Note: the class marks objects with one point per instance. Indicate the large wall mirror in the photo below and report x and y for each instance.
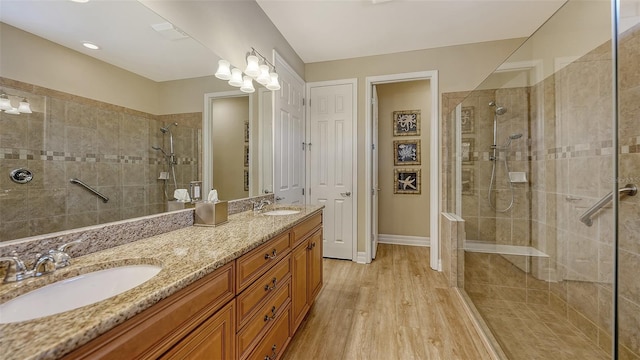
(127, 119)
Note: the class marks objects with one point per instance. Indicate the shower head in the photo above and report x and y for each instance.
(500, 110)
(166, 128)
(511, 137)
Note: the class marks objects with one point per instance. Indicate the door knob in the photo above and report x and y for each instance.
(346, 194)
(278, 198)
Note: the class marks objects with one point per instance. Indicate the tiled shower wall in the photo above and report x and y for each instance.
(104, 145)
(571, 167)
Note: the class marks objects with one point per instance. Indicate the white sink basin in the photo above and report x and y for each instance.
(75, 292)
(281, 212)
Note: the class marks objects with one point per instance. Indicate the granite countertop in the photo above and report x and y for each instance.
(185, 255)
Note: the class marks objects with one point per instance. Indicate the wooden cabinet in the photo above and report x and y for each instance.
(212, 340)
(306, 269)
(154, 331)
(247, 309)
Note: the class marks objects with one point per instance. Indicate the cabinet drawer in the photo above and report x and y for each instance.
(253, 264)
(301, 231)
(250, 300)
(273, 344)
(268, 313)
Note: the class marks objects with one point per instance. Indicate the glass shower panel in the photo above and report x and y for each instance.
(628, 255)
(540, 133)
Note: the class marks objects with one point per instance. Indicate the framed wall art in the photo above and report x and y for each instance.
(406, 181)
(467, 149)
(246, 131)
(246, 180)
(467, 120)
(406, 152)
(246, 155)
(406, 123)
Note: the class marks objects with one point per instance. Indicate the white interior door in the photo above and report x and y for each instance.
(374, 174)
(331, 166)
(289, 136)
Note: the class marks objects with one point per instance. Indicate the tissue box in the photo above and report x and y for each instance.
(211, 214)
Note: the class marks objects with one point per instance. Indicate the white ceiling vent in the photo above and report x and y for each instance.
(168, 31)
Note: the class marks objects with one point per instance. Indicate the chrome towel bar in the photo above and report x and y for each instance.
(629, 190)
(96, 192)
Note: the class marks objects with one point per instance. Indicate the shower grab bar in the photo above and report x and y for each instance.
(94, 191)
(629, 190)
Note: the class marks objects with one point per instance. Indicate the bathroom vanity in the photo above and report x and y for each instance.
(237, 291)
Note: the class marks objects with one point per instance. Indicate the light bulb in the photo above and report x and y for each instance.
(24, 107)
(224, 70)
(264, 78)
(12, 111)
(236, 78)
(274, 84)
(247, 85)
(5, 103)
(253, 68)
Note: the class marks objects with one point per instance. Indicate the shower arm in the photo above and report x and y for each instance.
(629, 189)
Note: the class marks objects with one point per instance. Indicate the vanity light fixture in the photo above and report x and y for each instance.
(264, 78)
(224, 70)
(253, 66)
(247, 85)
(258, 68)
(236, 78)
(5, 105)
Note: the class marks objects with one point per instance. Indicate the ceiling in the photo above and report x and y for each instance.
(318, 30)
(322, 30)
(123, 29)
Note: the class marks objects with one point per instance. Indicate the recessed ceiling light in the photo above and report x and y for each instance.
(90, 45)
(80, 1)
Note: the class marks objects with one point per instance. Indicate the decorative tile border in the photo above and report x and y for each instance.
(46, 155)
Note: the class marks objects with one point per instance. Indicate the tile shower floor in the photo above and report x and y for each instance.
(527, 332)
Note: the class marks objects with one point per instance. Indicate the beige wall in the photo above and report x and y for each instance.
(403, 214)
(229, 116)
(460, 67)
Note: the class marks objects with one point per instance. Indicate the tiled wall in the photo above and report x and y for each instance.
(570, 168)
(105, 146)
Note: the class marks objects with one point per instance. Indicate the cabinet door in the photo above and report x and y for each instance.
(299, 292)
(315, 265)
(214, 339)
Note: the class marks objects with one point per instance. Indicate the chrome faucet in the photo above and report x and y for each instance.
(61, 256)
(44, 264)
(258, 206)
(16, 270)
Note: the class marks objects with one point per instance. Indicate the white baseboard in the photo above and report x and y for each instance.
(361, 258)
(404, 240)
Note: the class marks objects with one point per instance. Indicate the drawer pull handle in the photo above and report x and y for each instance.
(273, 315)
(274, 281)
(273, 255)
(311, 246)
(273, 353)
